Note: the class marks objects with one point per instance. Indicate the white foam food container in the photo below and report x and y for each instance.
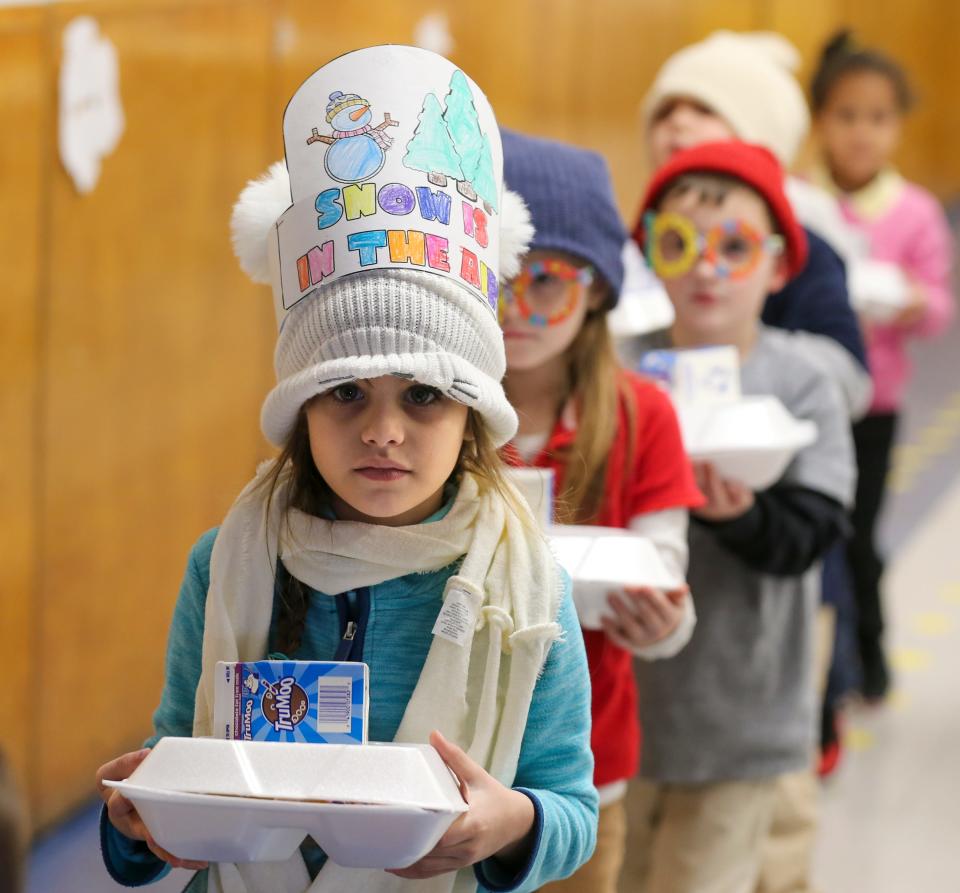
(367, 806)
(601, 560)
(878, 289)
(751, 440)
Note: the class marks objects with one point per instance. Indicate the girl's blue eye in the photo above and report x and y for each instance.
(346, 393)
(421, 395)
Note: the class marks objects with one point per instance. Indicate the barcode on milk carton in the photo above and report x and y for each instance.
(334, 704)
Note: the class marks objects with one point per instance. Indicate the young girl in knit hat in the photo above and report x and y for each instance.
(610, 437)
(734, 713)
(859, 98)
(387, 501)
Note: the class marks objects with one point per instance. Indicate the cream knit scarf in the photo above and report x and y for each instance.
(478, 693)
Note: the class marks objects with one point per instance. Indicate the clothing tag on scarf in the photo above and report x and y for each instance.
(457, 618)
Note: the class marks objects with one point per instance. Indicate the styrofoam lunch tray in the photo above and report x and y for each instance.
(751, 440)
(250, 801)
(878, 289)
(604, 559)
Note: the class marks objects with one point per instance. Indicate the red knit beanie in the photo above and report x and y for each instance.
(756, 166)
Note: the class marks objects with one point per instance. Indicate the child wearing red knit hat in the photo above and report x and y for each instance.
(736, 709)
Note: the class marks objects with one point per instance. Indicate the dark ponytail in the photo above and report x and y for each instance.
(843, 55)
(294, 600)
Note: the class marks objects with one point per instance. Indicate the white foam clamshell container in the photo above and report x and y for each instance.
(878, 289)
(601, 560)
(215, 800)
(751, 440)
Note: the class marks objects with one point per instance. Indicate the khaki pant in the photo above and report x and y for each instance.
(696, 838)
(734, 837)
(600, 874)
(788, 851)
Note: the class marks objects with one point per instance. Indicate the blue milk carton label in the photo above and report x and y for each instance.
(318, 702)
(660, 365)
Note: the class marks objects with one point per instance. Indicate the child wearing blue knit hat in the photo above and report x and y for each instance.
(610, 437)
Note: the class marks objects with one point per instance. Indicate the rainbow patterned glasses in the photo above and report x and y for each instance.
(734, 248)
(546, 291)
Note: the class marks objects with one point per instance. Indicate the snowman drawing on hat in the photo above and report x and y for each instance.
(356, 150)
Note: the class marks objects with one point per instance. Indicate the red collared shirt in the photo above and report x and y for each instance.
(654, 476)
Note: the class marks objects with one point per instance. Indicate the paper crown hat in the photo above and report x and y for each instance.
(385, 234)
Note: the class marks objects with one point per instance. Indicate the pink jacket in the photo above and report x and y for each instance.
(911, 231)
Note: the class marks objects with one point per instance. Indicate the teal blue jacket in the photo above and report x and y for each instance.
(394, 622)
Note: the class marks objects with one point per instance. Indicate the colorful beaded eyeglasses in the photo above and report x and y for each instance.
(674, 244)
(546, 291)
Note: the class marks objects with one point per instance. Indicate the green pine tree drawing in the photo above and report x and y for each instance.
(431, 149)
(483, 179)
(464, 127)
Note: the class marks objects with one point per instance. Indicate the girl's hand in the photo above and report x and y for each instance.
(643, 615)
(121, 812)
(497, 823)
(915, 308)
(726, 499)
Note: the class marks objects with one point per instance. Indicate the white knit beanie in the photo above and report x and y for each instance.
(747, 79)
(413, 325)
(346, 315)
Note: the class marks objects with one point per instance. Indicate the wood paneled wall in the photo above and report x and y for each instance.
(23, 97)
(134, 353)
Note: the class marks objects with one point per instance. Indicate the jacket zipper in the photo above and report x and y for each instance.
(353, 617)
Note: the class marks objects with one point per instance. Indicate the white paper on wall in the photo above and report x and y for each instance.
(432, 33)
(91, 119)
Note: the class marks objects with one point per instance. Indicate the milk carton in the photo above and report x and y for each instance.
(701, 375)
(319, 702)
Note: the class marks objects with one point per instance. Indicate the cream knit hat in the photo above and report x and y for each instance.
(395, 273)
(413, 325)
(747, 79)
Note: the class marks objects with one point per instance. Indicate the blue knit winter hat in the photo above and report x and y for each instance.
(570, 196)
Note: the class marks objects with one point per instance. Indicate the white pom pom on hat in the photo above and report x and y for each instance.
(516, 234)
(256, 210)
